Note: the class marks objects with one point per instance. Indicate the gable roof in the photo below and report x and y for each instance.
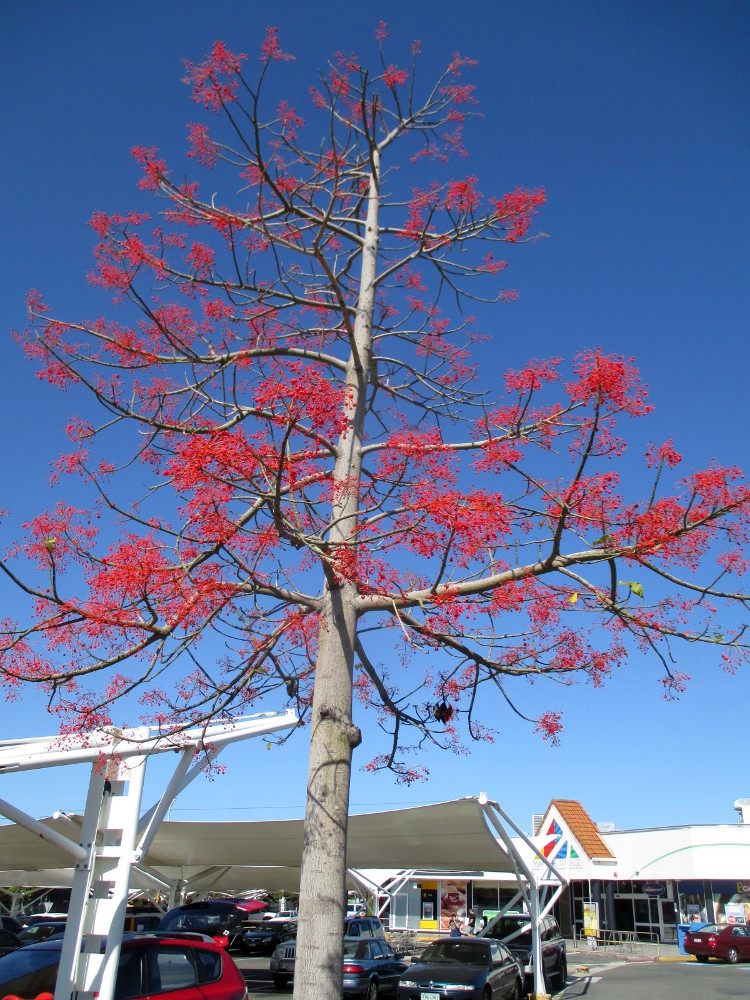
(581, 826)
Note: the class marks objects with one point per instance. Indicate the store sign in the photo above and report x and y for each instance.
(735, 913)
(654, 889)
(590, 919)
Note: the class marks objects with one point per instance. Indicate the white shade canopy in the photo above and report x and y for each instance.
(446, 836)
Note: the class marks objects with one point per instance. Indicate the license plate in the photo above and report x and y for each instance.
(429, 996)
(286, 966)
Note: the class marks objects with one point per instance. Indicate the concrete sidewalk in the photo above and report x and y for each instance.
(581, 954)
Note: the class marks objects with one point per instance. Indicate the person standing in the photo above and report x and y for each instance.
(469, 922)
(454, 929)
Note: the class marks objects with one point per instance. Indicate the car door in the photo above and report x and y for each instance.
(549, 948)
(503, 975)
(741, 941)
(388, 968)
(171, 973)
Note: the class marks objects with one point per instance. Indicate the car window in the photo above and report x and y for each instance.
(170, 969)
(29, 971)
(209, 964)
(364, 951)
(455, 950)
(385, 948)
(129, 981)
(353, 930)
(507, 925)
(350, 948)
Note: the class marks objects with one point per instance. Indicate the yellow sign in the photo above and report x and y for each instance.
(590, 919)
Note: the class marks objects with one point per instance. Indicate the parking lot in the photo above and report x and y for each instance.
(594, 978)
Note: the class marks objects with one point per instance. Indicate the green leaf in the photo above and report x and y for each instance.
(635, 588)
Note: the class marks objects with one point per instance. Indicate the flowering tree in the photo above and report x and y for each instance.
(325, 461)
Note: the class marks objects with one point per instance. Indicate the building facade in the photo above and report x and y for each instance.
(633, 882)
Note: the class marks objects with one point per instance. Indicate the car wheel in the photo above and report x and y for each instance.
(702, 958)
(518, 991)
(487, 995)
(280, 981)
(372, 990)
(561, 976)
(733, 956)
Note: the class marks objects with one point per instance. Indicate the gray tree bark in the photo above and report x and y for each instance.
(333, 736)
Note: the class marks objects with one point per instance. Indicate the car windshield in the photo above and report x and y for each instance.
(507, 925)
(709, 929)
(192, 920)
(26, 968)
(456, 952)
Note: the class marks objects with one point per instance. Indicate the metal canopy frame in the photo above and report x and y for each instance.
(538, 892)
(110, 839)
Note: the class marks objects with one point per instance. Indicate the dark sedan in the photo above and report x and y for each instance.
(261, 938)
(370, 967)
(479, 968)
(730, 942)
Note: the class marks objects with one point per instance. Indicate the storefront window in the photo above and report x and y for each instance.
(692, 902)
(731, 902)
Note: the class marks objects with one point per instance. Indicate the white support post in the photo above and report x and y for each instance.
(493, 813)
(176, 893)
(100, 884)
(106, 852)
(44, 832)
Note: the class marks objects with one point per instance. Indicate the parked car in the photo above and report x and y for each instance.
(280, 915)
(470, 967)
(221, 919)
(9, 942)
(728, 941)
(261, 938)
(514, 930)
(38, 918)
(41, 931)
(148, 966)
(370, 968)
(285, 954)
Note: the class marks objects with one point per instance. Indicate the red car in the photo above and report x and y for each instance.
(187, 968)
(728, 941)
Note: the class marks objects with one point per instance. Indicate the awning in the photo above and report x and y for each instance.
(445, 836)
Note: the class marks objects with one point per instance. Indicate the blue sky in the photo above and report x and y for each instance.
(633, 116)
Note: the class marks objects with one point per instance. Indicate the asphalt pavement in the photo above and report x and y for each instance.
(642, 973)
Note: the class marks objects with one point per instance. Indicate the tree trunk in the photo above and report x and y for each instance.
(319, 963)
(333, 736)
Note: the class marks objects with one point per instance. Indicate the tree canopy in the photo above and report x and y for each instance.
(302, 446)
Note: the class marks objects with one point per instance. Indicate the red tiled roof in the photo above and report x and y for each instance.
(581, 826)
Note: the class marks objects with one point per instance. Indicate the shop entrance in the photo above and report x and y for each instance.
(651, 917)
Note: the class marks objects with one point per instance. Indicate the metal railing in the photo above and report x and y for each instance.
(625, 942)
